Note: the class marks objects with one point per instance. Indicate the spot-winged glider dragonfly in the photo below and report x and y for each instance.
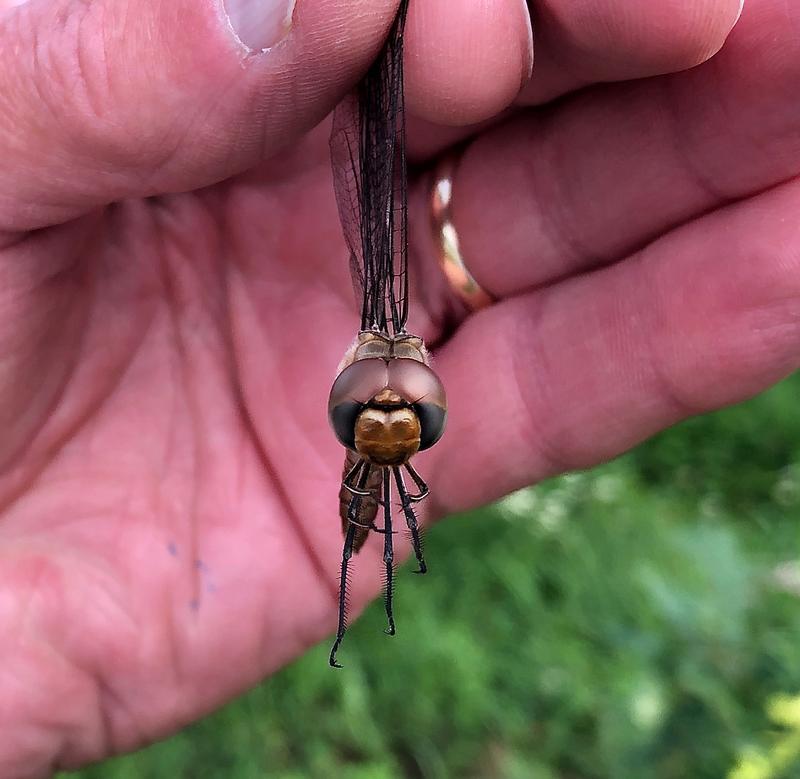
(386, 403)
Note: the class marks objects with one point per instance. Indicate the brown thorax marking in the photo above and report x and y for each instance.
(371, 343)
(387, 436)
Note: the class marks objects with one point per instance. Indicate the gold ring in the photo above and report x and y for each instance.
(445, 238)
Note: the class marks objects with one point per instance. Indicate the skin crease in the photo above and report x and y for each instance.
(168, 481)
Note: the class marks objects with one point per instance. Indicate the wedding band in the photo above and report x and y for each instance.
(445, 238)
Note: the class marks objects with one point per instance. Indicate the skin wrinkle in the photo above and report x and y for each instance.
(172, 619)
(30, 611)
(673, 395)
(112, 708)
(53, 451)
(34, 735)
(556, 220)
(11, 240)
(561, 235)
(248, 426)
(524, 351)
(170, 285)
(220, 317)
(729, 112)
(107, 701)
(84, 63)
(174, 643)
(216, 212)
(105, 695)
(681, 148)
(167, 155)
(57, 73)
(92, 407)
(293, 517)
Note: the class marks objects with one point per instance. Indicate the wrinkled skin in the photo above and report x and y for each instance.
(168, 481)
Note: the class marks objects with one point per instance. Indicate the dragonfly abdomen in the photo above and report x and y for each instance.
(365, 510)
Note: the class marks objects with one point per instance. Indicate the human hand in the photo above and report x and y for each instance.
(169, 529)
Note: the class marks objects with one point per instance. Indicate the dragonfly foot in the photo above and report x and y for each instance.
(332, 659)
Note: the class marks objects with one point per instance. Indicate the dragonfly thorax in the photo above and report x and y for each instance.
(375, 344)
(387, 430)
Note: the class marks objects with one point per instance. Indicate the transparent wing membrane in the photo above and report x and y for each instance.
(368, 155)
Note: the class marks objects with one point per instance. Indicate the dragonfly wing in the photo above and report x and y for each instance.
(369, 170)
(345, 151)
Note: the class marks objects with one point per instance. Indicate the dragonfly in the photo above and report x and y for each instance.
(386, 403)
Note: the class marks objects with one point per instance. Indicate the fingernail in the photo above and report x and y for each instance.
(259, 24)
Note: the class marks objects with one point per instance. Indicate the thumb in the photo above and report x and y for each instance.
(111, 99)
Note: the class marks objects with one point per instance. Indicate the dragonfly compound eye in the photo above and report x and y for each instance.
(420, 387)
(354, 387)
(432, 419)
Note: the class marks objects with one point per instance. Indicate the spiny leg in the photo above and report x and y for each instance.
(342, 627)
(351, 477)
(421, 486)
(347, 553)
(411, 518)
(388, 552)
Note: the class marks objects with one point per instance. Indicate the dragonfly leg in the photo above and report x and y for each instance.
(388, 552)
(348, 484)
(421, 486)
(371, 526)
(347, 553)
(352, 475)
(411, 518)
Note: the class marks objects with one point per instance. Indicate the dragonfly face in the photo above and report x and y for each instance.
(387, 404)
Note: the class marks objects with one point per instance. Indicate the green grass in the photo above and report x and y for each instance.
(624, 623)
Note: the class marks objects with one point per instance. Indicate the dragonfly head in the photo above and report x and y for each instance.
(387, 410)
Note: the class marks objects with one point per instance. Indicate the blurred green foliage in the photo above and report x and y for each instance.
(632, 622)
(783, 752)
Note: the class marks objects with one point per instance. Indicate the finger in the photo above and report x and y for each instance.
(109, 100)
(611, 40)
(569, 376)
(466, 61)
(593, 180)
(483, 60)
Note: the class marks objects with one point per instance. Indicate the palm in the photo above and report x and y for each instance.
(163, 508)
